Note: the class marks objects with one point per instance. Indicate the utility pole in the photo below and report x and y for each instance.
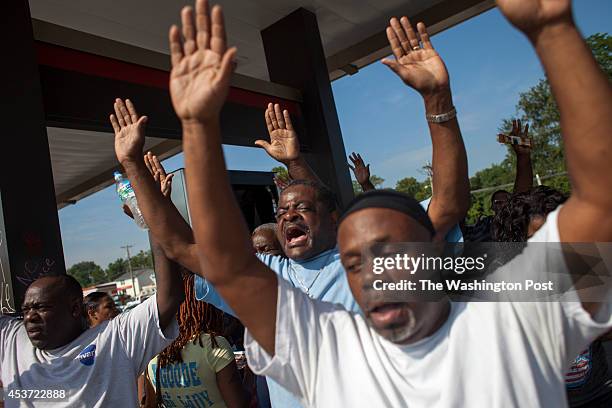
(127, 248)
(428, 171)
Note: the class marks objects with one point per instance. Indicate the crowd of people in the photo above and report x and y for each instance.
(315, 333)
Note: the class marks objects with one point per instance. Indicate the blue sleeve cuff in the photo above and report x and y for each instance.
(205, 292)
(454, 235)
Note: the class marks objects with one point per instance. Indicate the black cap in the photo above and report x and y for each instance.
(392, 200)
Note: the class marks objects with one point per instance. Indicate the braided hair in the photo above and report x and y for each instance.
(194, 318)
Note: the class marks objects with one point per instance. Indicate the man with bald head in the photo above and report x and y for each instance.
(265, 240)
(53, 351)
(53, 311)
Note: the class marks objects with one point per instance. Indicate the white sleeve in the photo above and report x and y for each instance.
(300, 323)
(8, 330)
(141, 335)
(563, 326)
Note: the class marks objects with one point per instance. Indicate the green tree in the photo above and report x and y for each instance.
(412, 187)
(141, 260)
(86, 272)
(374, 179)
(281, 172)
(538, 108)
(116, 268)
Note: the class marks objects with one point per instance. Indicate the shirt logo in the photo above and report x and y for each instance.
(580, 370)
(88, 355)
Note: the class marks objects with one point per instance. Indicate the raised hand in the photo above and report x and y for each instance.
(129, 131)
(530, 16)
(517, 130)
(159, 173)
(201, 64)
(420, 67)
(284, 145)
(361, 171)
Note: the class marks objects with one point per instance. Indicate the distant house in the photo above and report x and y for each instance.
(144, 280)
(110, 288)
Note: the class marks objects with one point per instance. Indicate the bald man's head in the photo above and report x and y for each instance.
(53, 311)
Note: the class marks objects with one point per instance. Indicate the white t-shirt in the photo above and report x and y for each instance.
(97, 369)
(485, 355)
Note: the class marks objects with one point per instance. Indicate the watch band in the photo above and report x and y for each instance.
(443, 117)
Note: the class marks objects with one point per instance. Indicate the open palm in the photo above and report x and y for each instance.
(361, 171)
(201, 64)
(196, 85)
(420, 67)
(423, 70)
(129, 131)
(530, 15)
(284, 145)
(523, 133)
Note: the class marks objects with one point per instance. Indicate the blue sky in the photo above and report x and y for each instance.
(490, 63)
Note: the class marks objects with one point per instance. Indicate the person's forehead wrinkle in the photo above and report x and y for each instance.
(42, 290)
(297, 193)
(296, 201)
(362, 224)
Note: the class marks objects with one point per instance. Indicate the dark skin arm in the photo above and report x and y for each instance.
(231, 388)
(284, 145)
(361, 172)
(524, 170)
(151, 398)
(165, 222)
(421, 68)
(584, 96)
(170, 291)
(199, 83)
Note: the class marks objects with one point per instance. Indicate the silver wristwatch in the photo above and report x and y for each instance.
(443, 117)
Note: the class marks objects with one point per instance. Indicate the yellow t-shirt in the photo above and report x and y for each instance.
(193, 383)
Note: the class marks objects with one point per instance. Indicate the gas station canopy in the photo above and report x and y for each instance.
(70, 59)
(135, 32)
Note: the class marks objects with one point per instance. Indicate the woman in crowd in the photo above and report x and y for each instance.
(198, 368)
(99, 307)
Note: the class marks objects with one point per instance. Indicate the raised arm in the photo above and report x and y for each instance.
(420, 67)
(163, 219)
(170, 292)
(199, 83)
(284, 145)
(524, 170)
(584, 96)
(361, 172)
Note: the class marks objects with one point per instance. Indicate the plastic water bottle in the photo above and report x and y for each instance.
(127, 196)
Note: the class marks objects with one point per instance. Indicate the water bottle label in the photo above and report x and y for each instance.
(125, 191)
